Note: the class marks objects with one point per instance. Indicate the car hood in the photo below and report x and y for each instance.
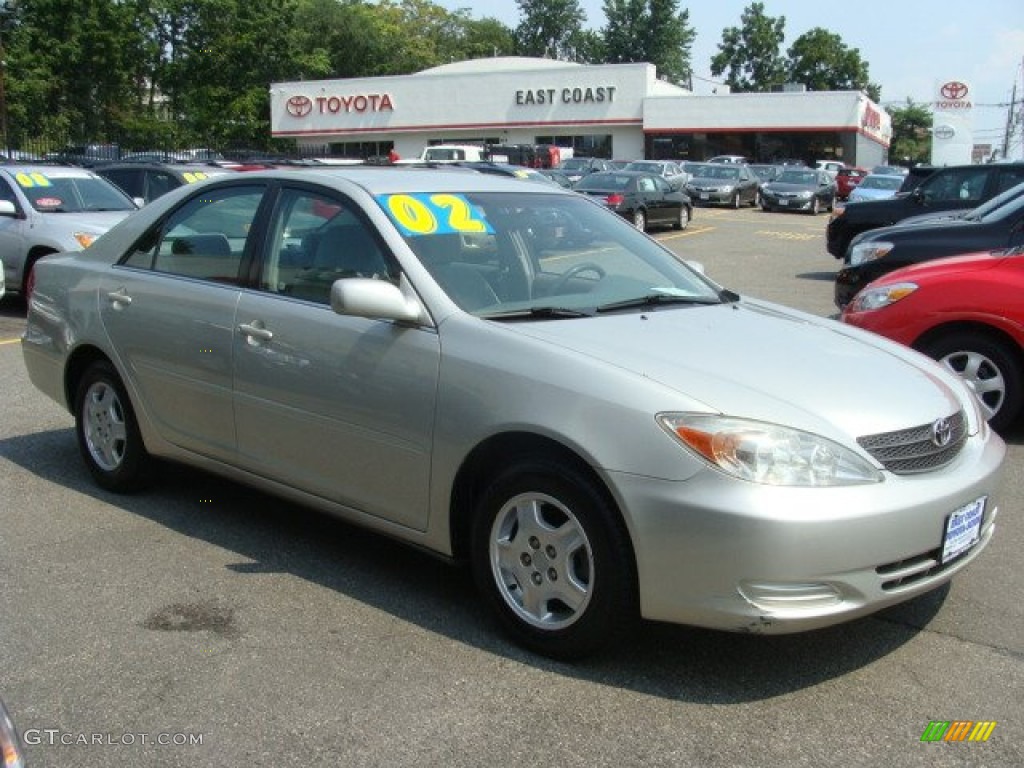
(761, 361)
(95, 222)
(968, 262)
(952, 226)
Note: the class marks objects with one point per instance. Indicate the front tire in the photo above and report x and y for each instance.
(108, 432)
(552, 560)
(990, 370)
(815, 207)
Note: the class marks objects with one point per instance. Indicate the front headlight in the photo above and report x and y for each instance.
(768, 453)
(883, 296)
(10, 745)
(804, 194)
(726, 190)
(870, 251)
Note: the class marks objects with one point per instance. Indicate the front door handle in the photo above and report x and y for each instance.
(256, 331)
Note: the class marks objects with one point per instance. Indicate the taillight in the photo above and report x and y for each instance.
(614, 199)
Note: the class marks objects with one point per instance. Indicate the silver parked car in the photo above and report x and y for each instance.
(45, 209)
(512, 375)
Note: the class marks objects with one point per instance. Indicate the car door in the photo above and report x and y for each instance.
(663, 200)
(169, 309)
(340, 407)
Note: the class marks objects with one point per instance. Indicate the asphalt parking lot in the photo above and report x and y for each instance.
(203, 624)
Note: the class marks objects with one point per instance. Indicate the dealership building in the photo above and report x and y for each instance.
(608, 110)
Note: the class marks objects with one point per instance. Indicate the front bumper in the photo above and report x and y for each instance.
(702, 196)
(786, 202)
(726, 554)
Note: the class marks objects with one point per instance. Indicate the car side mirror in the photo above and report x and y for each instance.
(7, 208)
(377, 299)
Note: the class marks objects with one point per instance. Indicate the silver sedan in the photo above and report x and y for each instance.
(511, 375)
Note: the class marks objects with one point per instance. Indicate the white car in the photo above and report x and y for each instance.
(45, 209)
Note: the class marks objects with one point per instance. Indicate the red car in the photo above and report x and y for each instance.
(847, 179)
(967, 312)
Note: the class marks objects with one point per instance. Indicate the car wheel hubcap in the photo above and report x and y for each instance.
(982, 376)
(106, 434)
(541, 561)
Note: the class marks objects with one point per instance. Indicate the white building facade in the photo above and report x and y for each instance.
(610, 110)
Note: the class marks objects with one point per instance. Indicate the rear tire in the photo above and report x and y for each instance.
(108, 432)
(552, 560)
(640, 220)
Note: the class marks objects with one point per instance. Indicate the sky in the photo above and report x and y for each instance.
(910, 46)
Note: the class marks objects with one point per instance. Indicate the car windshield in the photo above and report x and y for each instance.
(603, 182)
(881, 182)
(50, 193)
(515, 256)
(575, 164)
(645, 167)
(998, 201)
(804, 178)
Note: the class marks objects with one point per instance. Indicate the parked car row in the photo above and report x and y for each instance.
(950, 281)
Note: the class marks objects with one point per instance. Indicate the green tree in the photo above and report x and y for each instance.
(749, 55)
(820, 60)
(548, 27)
(911, 133)
(70, 68)
(654, 31)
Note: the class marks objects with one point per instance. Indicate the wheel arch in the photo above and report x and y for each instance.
(35, 253)
(991, 332)
(78, 363)
(499, 451)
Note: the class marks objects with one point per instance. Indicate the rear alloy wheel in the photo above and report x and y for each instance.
(640, 220)
(990, 370)
(552, 560)
(683, 219)
(108, 433)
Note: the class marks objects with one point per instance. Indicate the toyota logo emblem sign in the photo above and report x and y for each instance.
(953, 95)
(299, 106)
(954, 91)
(944, 132)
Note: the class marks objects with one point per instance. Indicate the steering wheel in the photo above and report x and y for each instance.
(569, 274)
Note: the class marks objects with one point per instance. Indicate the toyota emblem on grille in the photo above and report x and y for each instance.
(942, 432)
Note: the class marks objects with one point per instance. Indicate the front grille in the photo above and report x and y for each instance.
(916, 450)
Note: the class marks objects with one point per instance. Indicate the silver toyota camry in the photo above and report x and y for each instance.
(510, 375)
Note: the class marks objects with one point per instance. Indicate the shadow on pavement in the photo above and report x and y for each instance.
(273, 536)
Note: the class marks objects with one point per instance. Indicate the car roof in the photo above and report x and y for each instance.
(385, 179)
(48, 170)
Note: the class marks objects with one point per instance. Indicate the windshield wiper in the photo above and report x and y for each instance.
(658, 299)
(539, 313)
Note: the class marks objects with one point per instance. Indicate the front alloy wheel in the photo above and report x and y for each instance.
(551, 558)
(989, 369)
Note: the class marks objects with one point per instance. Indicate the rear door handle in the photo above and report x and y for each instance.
(119, 298)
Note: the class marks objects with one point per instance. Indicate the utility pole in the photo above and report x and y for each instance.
(1008, 133)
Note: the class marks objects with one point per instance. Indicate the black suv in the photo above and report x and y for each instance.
(144, 182)
(953, 187)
